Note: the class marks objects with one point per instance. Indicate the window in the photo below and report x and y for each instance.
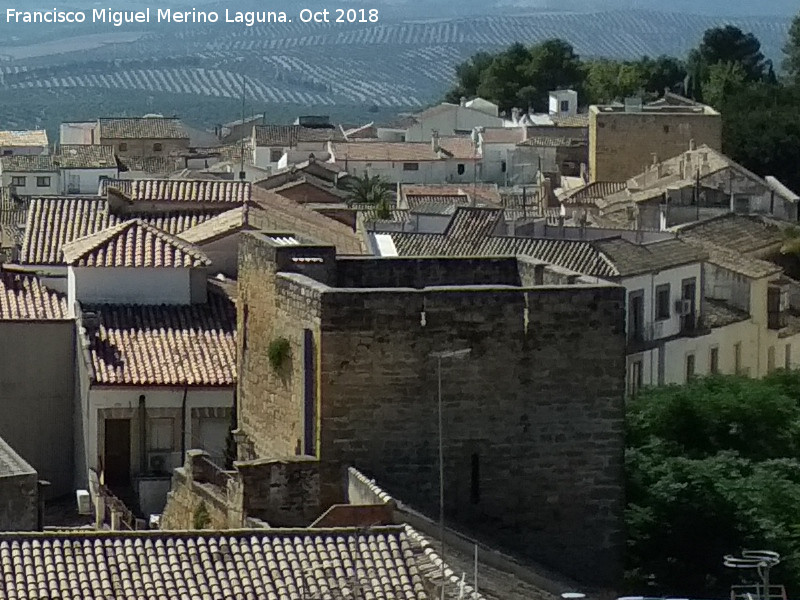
(662, 301)
(635, 377)
(770, 359)
(123, 147)
(410, 166)
(18, 181)
(8, 152)
(787, 358)
(713, 361)
(157, 147)
(636, 315)
(737, 358)
(161, 434)
(503, 166)
(666, 128)
(42, 182)
(475, 480)
(565, 106)
(689, 366)
(275, 154)
(460, 168)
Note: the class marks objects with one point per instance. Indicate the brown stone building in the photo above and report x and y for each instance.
(624, 138)
(145, 137)
(337, 363)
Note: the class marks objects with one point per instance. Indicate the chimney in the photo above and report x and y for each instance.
(548, 197)
(692, 147)
(704, 168)
(463, 101)
(515, 113)
(435, 140)
(655, 158)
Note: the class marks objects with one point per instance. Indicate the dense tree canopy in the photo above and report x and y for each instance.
(712, 469)
(761, 123)
(519, 76)
(791, 63)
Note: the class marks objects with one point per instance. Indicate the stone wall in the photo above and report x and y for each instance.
(621, 144)
(19, 492)
(533, 445)
(284, 493)
(193, 485)
(421, 272)
(37, 388)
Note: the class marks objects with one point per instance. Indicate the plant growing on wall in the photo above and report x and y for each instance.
(201, 517)
(278, 351)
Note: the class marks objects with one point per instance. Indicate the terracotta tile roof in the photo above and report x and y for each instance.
(739, 243)
(24, 298)
(631, 259)
(503, 135)
(484, 192)
(85, 157)
(28, 163)
(53, 222)
(546, 141)
(35, 137)
(470, 222)
(164, 345)
(580, 120)
(391, 563)
(219, 226)
(133, 244)
(457, 148)
(579, 256)
(283, 214)
(149, 128)
(184, 190)
(290, 135)
(414, 201)
(152, 165)
(718, 313)
(590, 192)
(737, 232)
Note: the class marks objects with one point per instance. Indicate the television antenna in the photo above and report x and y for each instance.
(759, 560)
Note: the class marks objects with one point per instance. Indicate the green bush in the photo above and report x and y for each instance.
(278, 352)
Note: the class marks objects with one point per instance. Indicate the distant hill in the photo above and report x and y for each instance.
(356, 72)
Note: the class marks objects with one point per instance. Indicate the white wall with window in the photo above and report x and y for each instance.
(661, 304)
(171, 427)
(35, 183)
(424, 171)
(85, 182)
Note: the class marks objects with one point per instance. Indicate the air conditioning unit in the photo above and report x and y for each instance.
(684, 306)
(84, 502)
(158, 462)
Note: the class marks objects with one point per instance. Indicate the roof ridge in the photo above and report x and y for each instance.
(104, 236)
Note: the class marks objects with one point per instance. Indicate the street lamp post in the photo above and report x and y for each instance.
(455, 354)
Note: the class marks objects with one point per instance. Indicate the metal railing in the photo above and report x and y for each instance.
(758, 592)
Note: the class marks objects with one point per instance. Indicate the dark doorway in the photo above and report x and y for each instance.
(117, 465)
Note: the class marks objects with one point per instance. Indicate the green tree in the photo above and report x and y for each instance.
(712, 468)
(724, 79)
(791, 62)
(728, 44)
(518, 76)
(367, 189)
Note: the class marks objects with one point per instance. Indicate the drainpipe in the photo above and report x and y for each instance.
(142, 435)
(183, 421)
